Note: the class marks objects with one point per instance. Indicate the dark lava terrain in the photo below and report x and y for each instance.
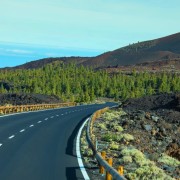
(26, 99)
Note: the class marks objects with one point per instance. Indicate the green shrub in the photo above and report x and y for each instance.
(151, 172)
(114, 146)
(88, 152)
(111, 137)
(112, 114)
(128, 137)
(146, 170)
(127, 159)
(102, 126)
(169, 160)
(118, 128)
(107, 137)
(117, 137)
(115, 127)
(137, 155)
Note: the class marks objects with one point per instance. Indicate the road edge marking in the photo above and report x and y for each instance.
(78, 152)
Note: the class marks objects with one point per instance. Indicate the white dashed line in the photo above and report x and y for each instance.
(62, 114)
(46, 119)
(39, 121)
(0, 144)
(22, 130)
(10, 137)
(52, 117)
(31, 125)
(57, 115)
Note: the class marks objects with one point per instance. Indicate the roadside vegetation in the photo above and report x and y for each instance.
(83, 84)
(118, 136)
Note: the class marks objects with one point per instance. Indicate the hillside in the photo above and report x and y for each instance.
(162, 49)
(42, 62)
(159, 49)
(172, 65)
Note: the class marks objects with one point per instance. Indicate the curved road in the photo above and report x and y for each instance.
(41, 145)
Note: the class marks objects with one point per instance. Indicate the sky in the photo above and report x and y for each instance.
(31, 29)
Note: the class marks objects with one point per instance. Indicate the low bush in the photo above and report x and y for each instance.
(169, 160)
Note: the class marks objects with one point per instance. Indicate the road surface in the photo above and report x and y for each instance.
(41, 145)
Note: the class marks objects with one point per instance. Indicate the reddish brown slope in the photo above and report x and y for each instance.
(158, 49)
(40, 63)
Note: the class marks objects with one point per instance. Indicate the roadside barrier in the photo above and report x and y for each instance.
(25, 108)
(105, 165)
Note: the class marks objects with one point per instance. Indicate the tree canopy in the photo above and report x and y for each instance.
(83, 84)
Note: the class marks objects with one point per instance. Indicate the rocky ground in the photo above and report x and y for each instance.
(143, 136)
(25, 99)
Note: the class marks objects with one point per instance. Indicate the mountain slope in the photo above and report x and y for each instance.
(158, 49)
(166, 48)
(40, 63)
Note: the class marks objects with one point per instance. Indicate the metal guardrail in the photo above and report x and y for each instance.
(25, 108)
(103, 163)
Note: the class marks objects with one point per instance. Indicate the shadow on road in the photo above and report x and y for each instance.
(71, 144)
(73, 173)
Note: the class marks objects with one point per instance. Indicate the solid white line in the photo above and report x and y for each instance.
(22, 130)
(11, 137)
(0, 144)
(31, 125)
(39, 121)
(78, 153)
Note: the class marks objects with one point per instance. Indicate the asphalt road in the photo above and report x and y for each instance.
(41, 145)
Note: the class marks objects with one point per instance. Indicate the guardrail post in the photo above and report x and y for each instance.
(101, 168)
(1, 111)
(96, 144)
(120, 170)
(5, 111)
(108, 175)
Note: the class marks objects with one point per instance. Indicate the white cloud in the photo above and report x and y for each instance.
(18, 51)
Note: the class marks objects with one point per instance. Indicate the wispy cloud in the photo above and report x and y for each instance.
(18, 51)
(95, 24)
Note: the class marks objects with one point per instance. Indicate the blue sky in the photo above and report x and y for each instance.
(32, 29)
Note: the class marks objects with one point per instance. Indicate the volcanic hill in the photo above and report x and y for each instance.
(158, 50)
